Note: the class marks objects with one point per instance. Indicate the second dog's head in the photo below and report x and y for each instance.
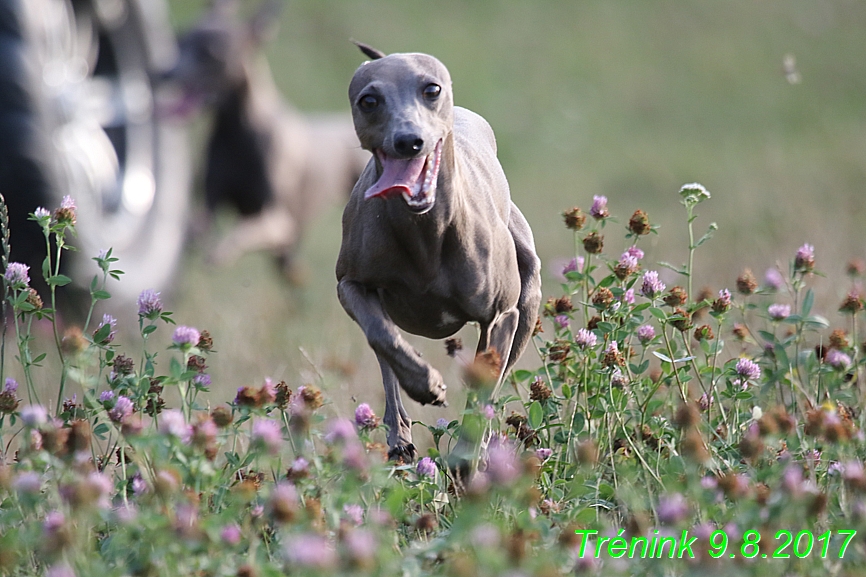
(403, 109)
(214, 56)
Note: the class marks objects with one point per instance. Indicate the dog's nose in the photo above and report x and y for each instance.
(407, 144)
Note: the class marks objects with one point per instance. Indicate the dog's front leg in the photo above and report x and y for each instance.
(420, 381)
(398, 421)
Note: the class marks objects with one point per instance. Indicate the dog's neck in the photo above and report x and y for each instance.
(425, 235)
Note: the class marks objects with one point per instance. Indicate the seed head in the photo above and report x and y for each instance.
(855, 267)
(574, 218)
(639, 223)
(66, 213)
(593, 243)
(723, 303)
(746, 283)
(853, 303)
(676, 297)
(839, 339)
(539, 391)
(704, 333)
(603, 298)
(681, 320)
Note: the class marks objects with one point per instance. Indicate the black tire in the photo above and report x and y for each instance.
(83, 83)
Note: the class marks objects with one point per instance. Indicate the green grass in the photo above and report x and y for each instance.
(625, 99)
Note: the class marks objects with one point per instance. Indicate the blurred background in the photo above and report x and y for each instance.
(764, 103)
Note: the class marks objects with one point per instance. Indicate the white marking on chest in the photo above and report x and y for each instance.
(447, 319)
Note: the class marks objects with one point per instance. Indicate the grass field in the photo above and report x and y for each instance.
(628, 100)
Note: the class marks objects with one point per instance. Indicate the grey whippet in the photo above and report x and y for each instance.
(431, 238)
(276, 166)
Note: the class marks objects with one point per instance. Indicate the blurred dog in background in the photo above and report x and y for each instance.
(277, 167)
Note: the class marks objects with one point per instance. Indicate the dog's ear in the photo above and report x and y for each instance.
(265, 22)
(226, 8)
(369, 50)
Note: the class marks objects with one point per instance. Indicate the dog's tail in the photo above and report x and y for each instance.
(369, 50)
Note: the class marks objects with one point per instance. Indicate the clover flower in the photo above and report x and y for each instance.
(106, 396)
(41, 212)
(149, 304)
(340, 430)
(66, 213)
(838, 360)
(628, 296)
(111, 322)
(268, 434)
(561, 321)
(585, 339)
(574, 265)
(365, 417)
(34, 416)
(804, 260)
(17, 275)
(361, 545)
(60, 570)
(502, 465)
(773, 279)
(488, 411)
(599, 207)
(645, 333)
(441, 423)
(27, 483)
(122, 409)
(426, 467)
(651, 287)
(355, 513)
(747, 370)
(310, 550)
(672, 509)
(203, 380)
(543, 453)
(779, 311)
(185, 336)
(231, 534)
(173, 423)
(8, 399)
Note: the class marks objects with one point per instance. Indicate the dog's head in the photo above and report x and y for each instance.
(403, 110)
(213, 55)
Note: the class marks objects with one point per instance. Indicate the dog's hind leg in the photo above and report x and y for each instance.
(271, 230)
(398, 421)
(529, 266)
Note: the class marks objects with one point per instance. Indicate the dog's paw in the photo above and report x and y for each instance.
(402, 453)
(432, 392)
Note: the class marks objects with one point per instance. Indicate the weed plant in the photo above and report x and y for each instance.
(662, 434)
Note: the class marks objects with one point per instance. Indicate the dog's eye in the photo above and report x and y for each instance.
(432, 91)
(368, 102)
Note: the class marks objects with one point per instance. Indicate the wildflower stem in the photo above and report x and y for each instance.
(681, 385)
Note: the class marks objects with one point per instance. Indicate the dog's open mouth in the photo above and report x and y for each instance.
(414, 178)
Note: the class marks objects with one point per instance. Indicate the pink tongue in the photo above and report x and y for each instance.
(398, 176)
